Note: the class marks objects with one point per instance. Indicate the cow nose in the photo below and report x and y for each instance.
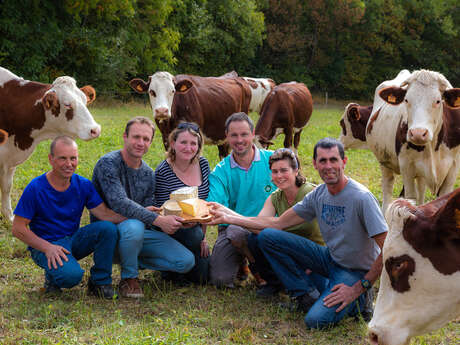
(161, 113)
(418, 136)
(95, 132)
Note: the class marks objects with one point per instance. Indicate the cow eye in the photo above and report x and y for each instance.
(173, 91)
(405, 100)
(438, 101)
(153, 93)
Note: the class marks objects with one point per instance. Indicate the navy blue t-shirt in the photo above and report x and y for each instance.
(53, 214)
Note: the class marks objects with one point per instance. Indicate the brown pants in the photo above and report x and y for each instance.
(228, 254)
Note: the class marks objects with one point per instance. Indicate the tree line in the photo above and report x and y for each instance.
(344, 47)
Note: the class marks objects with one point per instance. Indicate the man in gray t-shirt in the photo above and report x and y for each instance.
(353, 228)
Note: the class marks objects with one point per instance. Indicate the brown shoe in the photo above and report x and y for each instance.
(259, 280)
(130, 287)
(243, 271)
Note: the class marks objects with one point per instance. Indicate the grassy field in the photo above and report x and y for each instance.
(167, 314)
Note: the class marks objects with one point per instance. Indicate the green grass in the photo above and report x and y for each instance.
(167, 315)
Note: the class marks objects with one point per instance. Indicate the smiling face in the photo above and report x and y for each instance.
(283, 175)
(330, 165)
(185, 146)
(240, 137)
(138, 140)
(64, 159)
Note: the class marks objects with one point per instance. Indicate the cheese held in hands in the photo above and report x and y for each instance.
(171, 207)
(190, 206)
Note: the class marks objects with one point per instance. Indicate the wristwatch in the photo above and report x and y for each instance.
(366, 284)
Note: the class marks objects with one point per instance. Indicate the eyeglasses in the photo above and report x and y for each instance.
(189, 125)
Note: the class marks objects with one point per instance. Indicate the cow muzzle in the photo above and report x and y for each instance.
(95, 132)
(161, 114)
(379, 336)
(418, 136)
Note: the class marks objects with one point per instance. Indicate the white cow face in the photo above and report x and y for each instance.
(66, 111)
(422, 100)
(414, 297)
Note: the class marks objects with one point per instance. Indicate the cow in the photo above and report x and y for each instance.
(31, 112)
(416, 133)
(206, 101)
(3, 137)
(260, 89)
(287, 110)
(354, 119)
(420, 282)
(353, 123)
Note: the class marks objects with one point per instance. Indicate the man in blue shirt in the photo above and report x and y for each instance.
(47, 219)
(242, 182)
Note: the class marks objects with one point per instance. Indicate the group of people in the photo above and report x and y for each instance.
(322, 245)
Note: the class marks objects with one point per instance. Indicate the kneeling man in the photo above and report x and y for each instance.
(47, 219)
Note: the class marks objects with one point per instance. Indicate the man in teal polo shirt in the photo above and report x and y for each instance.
(242, 182)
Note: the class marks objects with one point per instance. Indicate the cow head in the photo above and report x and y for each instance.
(66, 109)
(161, 87)
(419, 285)
(3, 136)
(354, 121)
(421, 95)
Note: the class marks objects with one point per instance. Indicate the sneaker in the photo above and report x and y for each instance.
(301, 303)
(102, 291)
(50, 288)
(130, 287)
(268, 291)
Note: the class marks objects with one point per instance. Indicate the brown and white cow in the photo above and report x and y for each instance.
(3, 136)
(353, 123)
(287, 110)
(420, 281)
(260, 89)
(416, 133)
(31, 112)
(207, 101)
(354, 119)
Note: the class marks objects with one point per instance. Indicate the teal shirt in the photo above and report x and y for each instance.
(243, 191)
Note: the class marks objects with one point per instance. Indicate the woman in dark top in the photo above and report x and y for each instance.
(185, 167)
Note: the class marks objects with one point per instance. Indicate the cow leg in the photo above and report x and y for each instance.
(410, 191)
(388, 180)
(421, 187)
(223, 150)
(297, 139)
(448, 183)
(288, 137)
(6, 182)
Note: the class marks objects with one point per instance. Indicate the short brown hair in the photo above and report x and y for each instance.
(141, 120)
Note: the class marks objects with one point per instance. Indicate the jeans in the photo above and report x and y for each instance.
(99, 238)
(290, 255)
(161, 252)
(261, 264)
(131, 239)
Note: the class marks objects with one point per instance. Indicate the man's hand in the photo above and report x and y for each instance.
(55, 254)
(154, 209)
(169, 224)
(342, 294)
(204, 248)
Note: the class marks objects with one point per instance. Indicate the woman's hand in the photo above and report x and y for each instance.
(220, 213)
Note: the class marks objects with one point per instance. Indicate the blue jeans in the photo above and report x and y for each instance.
(131, 239)
(162, 252)
(290, 255)
(99, 238)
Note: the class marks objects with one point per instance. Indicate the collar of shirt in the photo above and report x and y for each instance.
(234, 164)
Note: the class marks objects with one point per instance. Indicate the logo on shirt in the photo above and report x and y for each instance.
(268, 188)
(333, 215)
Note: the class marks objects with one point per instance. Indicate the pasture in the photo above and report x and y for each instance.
(167, 314)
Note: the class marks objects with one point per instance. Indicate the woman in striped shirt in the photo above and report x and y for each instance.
(185, 167)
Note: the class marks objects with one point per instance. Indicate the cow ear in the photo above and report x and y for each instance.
(447, 218)
(353, 113)
(184, 86)
(3, 136)
(50, 101)
(90, 93)
(452, 98)
(139, 85)
(393, 95)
